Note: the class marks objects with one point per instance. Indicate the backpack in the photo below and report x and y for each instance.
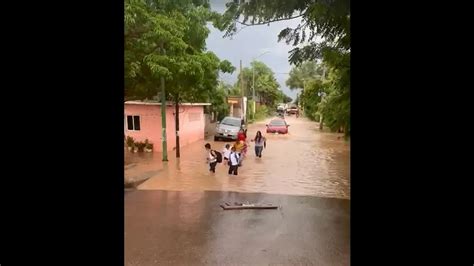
(218, 156)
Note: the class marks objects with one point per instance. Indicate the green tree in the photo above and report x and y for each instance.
(336, 105)
(297, 100)
(219, 100)
(166, 38)
(308, 70)
(146, 32)
(266, 85)
(308, 76)
(328, 20)
(235, 90)
(287, 99)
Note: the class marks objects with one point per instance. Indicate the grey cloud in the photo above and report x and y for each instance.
(251, 42)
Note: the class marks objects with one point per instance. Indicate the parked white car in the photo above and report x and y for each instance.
(228, 128)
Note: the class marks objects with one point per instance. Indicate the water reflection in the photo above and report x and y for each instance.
(304, 162)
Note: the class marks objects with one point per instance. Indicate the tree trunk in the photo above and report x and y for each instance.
(176, 116)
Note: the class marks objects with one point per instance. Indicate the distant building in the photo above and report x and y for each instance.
(235, 106)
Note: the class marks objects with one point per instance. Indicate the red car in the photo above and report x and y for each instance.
(278, 126)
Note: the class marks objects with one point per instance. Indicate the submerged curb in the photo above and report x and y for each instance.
(134, 184)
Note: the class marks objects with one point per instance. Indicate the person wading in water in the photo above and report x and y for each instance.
(260, 143)
(233, 162)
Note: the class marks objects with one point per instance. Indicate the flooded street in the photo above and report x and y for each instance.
(303, 162)
(189, 62)
(189, 228)
(174, 217)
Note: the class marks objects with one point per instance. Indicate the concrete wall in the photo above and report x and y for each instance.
(191, 124)
(237, 111)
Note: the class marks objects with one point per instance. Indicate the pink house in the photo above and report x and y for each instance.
(142, 121)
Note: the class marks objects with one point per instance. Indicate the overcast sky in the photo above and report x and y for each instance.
(251, 42)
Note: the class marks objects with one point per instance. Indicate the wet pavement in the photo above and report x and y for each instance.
(304, 162)
(189, 228)
(174, 217)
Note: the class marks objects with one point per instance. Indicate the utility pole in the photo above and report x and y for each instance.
(243, 94)
(176, 121)
(163, 116)
(253, 89)
(322, 98)
(299, 100)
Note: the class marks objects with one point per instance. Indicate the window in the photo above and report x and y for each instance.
(232, 122)
(133, 122)
(277, 123)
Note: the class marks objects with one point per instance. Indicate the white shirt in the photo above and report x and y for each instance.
(234, 158)
(226, 153)
(261, 142)
(211, 158)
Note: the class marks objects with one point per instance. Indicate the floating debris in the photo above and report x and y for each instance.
(243, 206)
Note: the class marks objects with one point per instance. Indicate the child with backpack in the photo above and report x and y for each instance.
(213, 157)
(234, 161)
(241, 149)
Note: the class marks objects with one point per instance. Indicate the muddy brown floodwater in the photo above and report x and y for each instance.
(303, 162)
(174, 217)
(189, 228)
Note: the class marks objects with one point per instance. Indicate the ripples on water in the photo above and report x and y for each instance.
(304, 162)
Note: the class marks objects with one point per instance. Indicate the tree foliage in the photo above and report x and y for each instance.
(267, 88)
(327, 19)
(287, 99)
(336, 105)
(310, 99)
(165, 38)
(219, 100)
(297, 100)
(307, 71)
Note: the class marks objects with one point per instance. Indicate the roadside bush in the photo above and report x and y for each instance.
(130, 141)
(262, 113)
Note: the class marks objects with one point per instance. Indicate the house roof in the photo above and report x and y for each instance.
(168, 103)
